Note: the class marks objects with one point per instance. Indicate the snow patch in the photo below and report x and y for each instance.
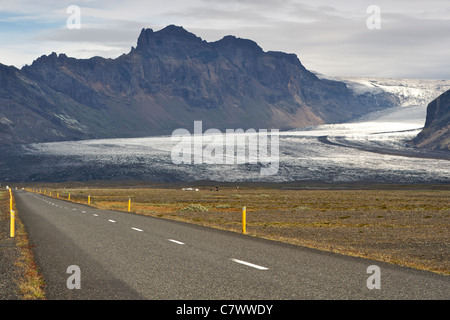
(411, 92)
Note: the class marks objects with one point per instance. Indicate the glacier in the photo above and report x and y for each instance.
(374, 148)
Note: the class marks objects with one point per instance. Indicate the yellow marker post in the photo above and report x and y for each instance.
(68, 197)
(244, 220)
(129, 204)
(12, 214)
(13, 222)
(89, 199)
(57, 195)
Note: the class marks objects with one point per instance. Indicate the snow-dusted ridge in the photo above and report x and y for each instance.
(410, 92)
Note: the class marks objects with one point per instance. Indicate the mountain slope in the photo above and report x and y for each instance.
(170, 79)
(436, 133)
(28, 114)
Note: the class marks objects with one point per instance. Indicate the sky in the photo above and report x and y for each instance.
(364, 38)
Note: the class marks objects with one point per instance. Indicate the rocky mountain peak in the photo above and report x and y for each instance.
(436, 132)
(171, 37)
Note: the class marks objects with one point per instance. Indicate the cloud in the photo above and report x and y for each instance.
(328, 36)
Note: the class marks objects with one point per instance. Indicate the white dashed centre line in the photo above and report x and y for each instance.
(136, 229)
(250, 264)
(175, 241)
(95, 215)
(111, 220)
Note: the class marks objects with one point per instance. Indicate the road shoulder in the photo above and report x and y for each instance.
(19, 276)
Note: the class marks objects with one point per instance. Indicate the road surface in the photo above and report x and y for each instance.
(127, 256)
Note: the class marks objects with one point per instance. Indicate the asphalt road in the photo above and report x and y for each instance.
(128, 256)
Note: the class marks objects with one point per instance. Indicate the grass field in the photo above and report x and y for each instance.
(406, 226)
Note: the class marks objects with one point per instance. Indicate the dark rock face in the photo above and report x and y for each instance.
(436, 133)
(171, 79)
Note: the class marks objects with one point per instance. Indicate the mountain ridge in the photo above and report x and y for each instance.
(169, 80)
